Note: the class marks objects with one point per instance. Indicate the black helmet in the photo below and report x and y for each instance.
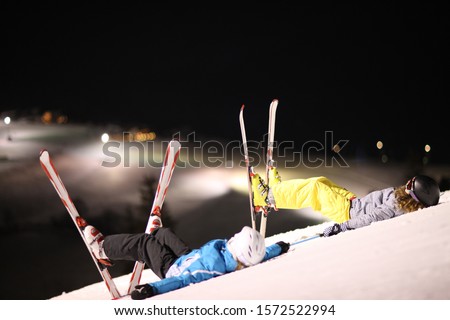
(423, 189)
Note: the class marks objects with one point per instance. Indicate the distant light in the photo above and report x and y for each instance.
(144, 136)
(61, 119)
(7, 120)
(336, 148)
(47, 117)
(427, 148)
(105, 138)
(384, 158)
(380, 145)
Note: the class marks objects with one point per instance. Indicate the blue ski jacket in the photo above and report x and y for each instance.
(211, 260)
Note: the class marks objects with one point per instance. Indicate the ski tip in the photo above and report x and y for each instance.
(175, 146)
(43, 153)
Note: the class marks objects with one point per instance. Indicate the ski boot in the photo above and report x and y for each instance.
(95, 241)
(155, 219)
(260, 192)
(274, 177)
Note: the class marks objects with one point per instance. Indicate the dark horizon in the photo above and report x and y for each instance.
(366, 72)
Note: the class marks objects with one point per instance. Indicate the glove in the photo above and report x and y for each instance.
(334, 230)
(142, 291)
(284, 246)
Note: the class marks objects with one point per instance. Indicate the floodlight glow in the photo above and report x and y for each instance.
(105, 138)
(7, 120)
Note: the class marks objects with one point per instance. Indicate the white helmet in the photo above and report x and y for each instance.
(247, 246)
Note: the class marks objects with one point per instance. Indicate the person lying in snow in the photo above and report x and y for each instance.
(174, 262)
(342, 206)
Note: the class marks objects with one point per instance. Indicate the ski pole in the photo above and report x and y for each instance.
(307, 239)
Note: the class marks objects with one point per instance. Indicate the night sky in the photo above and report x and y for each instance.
(364, 71)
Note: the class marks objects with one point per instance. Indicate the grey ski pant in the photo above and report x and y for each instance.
(157, 250)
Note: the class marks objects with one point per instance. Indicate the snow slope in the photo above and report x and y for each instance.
(407, 257)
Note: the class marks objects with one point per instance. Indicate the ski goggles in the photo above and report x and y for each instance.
(409, 188)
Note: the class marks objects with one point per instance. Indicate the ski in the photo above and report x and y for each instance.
(57, 183)
(154, 221)
(269, 158)
(250, 170)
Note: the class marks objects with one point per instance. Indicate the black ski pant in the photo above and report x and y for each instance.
(158, 250)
